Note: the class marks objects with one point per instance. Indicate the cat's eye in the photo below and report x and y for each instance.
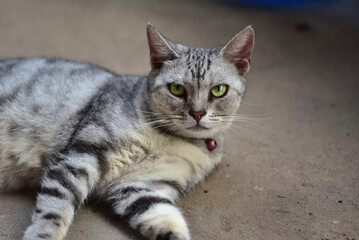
(219, 91)
(177, 89)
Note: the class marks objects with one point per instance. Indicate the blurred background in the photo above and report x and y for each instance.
(291, 172)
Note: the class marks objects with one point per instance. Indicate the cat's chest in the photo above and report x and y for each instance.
(152, 148)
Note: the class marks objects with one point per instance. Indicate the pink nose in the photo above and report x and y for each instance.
(197, 115)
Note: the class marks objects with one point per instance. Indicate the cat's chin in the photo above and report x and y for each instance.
(198, 132)
(197, 128)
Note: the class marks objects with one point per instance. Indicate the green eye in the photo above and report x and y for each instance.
(219, 91)
(177, 90)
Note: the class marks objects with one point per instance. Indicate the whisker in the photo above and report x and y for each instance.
(152, 122)
(245, 121)
(136, 109)
(173, 129)
(236, 127)
(251, 104)
(244, 116)
(169, 129)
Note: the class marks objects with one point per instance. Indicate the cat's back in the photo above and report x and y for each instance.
(47, 83)
(42, 95)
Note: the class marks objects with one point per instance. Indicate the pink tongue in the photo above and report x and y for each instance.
(211, 144)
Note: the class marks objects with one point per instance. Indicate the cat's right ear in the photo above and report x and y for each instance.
(160, 50)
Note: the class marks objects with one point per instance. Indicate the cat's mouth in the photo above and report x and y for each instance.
(197, 128)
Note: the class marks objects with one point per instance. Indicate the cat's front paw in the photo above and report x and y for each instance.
(172, 236)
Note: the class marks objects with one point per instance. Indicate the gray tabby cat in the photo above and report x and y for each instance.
(78, 131)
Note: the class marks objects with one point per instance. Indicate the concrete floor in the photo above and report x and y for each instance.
(281, 177)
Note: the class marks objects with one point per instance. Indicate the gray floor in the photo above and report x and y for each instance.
(283, 175)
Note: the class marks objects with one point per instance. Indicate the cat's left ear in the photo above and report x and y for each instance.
(239, 49)
(160, 49)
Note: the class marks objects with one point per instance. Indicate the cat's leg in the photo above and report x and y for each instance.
(66, 183)
(146, 197)
(149, 206)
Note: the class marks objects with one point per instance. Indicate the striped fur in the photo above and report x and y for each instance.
(78, 131)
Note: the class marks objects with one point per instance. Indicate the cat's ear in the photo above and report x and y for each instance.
(239, 49)
(160, 49)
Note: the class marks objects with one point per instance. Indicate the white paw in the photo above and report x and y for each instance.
(172, 236)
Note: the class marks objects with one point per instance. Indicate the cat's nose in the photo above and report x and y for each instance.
(197, 115)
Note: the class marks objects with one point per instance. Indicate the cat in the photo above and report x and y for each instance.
(77, 131)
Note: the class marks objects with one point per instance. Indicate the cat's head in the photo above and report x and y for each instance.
(195, 92)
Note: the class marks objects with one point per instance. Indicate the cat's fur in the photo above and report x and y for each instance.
(78, 131)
